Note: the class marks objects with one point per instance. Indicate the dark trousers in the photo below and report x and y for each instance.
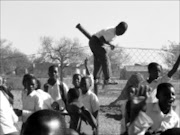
(101, 58)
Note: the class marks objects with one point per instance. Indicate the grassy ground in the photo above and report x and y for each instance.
(109, 117)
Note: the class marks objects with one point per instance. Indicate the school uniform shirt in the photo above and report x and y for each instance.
(31, 103)
(8, 118)
(140, 125)
(109, 34)
(154, 118)
(54, 91)
(153, 85)
(47, 99)
(161, 121)
(90, 101)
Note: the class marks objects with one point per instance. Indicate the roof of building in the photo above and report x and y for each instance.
(136, 68)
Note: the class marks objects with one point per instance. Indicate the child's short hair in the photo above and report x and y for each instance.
(152, 65)
(36, 123)
(163, 87)
(123, 26)
(86, 77)
(73, 94)
(76, 75)
(27, 77)
(52, 67)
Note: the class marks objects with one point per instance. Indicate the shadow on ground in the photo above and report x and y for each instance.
(112, 112)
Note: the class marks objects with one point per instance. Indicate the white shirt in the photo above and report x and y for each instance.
(154, 118)
(90, 101)
(153, 85)
(31, 103)
(54, 91)
(8, 119)
(108, 34)
(161, 121)
(140, 125)
(47, 99)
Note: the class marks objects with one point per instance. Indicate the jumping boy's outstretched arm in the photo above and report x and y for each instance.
(102, 39)
(86, 67)
(175, 67)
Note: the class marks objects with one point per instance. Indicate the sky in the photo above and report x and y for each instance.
(151, 24)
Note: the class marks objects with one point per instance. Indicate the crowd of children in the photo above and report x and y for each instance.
(147, 104)
(80, 103)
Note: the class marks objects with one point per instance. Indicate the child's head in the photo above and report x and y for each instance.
(29, 82)
(154, 70)
(73, 94)
(76, 80)
(121, 28)
(25, 78)
(44, 122)
(53, 72)
(165, 95)
(85, 84)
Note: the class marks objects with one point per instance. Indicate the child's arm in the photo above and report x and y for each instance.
(102, 39)
(86, 67)
(138, 102)
(88, 73)
(175, 67)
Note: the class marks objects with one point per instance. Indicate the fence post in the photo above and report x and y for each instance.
(96, 92)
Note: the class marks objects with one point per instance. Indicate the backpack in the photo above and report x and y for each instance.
(84, 122)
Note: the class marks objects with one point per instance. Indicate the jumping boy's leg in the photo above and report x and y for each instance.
(97, 69)
(105, 62)
(102, 56)
(106, 67)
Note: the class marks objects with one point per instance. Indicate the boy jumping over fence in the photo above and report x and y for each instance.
(101, 59)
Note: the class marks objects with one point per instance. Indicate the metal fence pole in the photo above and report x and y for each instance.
(96, 92)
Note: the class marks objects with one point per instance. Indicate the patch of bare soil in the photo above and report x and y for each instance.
(112, 112)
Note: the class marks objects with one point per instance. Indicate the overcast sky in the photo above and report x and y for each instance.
(152, 24)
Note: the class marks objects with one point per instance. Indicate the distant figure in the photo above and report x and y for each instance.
(58, 90)
(97, 45)
(45, 122)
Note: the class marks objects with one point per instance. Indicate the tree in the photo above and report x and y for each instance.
(11, 59)
(4, 51)
(62, 52)
(171, 53)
